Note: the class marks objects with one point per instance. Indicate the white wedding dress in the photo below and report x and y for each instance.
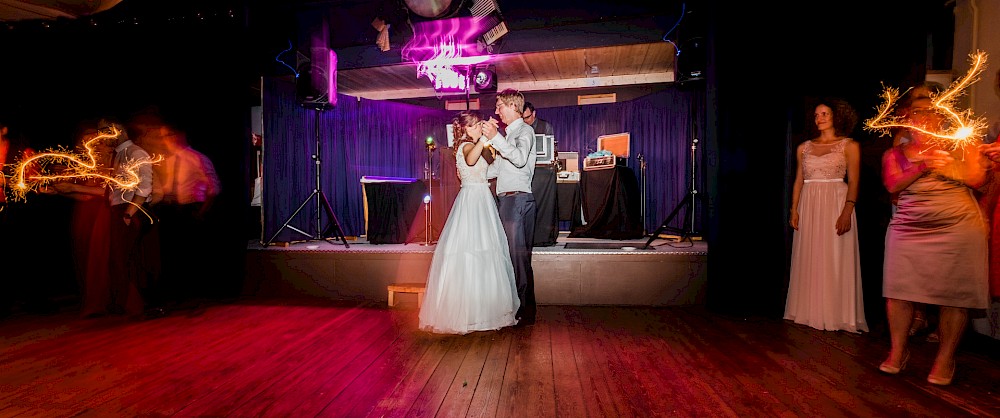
(470, 285)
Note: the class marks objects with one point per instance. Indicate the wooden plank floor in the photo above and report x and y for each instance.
(317, 358)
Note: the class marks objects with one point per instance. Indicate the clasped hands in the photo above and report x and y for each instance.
(490, 129)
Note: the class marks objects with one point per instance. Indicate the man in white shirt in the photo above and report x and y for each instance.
(133, 272)
(186, 189)
(514, 169)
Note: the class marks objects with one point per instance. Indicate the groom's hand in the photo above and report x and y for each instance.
(490, 128)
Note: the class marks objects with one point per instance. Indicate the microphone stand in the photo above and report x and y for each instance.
(642, 177)
(428, 200)
(689, 203)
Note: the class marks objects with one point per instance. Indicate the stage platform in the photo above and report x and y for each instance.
(575, 271)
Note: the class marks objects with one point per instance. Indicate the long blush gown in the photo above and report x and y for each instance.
(470, 285)
(824, 288)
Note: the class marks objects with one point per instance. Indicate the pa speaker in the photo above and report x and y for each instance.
(692, 59)
(316, 80)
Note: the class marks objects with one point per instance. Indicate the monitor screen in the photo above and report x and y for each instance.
(544, 149)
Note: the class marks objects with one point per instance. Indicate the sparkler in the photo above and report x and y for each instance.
(961, 127)
(36, 170)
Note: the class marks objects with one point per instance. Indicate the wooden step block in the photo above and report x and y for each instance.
(418, 288)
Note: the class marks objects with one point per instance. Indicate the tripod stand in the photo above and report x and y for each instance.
(321, 203)
(688, 202)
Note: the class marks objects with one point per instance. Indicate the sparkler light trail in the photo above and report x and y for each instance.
(961, 127)
(55, 165)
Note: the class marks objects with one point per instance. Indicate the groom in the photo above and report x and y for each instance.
(513, 169)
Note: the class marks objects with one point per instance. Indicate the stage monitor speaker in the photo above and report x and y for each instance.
(316, 82)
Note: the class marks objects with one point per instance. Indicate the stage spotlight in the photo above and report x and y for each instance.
(486, 81)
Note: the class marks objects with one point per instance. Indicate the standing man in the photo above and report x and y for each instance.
(541, 126)
(186, 189)
(134, 253)
(514, 169)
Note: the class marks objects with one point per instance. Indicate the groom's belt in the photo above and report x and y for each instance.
(504, 194)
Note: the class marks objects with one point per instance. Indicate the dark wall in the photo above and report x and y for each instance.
(762, 61)
(765, 61)
(60, 74)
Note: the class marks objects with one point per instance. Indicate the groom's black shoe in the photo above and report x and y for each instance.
(524, 322)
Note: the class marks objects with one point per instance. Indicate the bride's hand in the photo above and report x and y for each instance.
(490, 129)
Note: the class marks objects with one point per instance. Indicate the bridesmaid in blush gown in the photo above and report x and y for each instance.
(824, 289)
(470, 285)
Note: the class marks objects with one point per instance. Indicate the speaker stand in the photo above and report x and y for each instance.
(321, 203)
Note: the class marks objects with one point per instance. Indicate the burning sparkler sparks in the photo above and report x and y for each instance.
(51, 166)
(961, 127)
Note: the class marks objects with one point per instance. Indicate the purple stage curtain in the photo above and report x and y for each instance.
(360, 137)
(356, 138)
(662, 126)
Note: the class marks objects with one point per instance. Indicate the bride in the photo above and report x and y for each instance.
(470, 285)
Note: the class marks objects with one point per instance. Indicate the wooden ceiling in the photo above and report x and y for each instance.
(558, 70)
(562, 48)
(16, 10)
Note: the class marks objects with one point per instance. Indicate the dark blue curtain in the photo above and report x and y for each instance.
(356, 137)
(662, 127)
(359, 137)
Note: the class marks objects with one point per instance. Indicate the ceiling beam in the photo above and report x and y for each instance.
(583, 35)
(20, 10)
(525, 86)
(588, 82)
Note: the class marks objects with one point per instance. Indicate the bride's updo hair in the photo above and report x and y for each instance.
(458, 124)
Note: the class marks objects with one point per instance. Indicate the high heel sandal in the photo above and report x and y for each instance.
(919, 325)
(942, 380)
(888, 368)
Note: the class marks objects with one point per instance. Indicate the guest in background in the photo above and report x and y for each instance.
(514, 169)
(134, 255)
(541, 126)
(135, 251)
(991, 199)
(824, 289)
(936, 244)
(546, 208)
(90, 227)
(924, 317)
(990, 202)
(471, 284)
(183, 199)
